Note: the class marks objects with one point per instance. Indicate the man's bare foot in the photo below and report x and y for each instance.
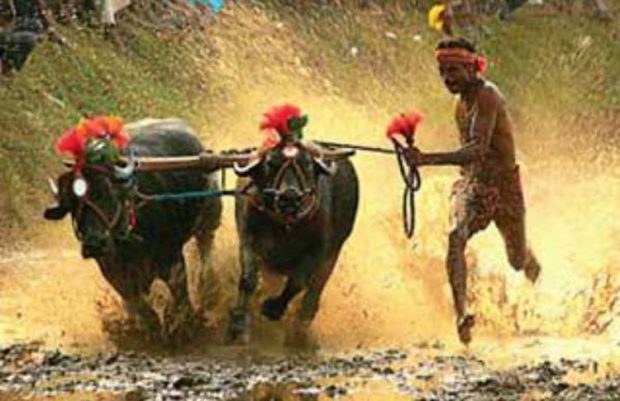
(532, 269)
(464, 326)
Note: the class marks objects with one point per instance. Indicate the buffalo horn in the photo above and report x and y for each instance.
(247, 167)
(53, 187)
(124, 173)
(329, 167)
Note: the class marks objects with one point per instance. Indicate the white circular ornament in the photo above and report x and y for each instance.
(290, 152)
(80, 187)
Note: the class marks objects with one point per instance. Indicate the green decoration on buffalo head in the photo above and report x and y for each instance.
(102, 151)
(296, 126)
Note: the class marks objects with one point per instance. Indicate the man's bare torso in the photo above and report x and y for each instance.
(500, 157)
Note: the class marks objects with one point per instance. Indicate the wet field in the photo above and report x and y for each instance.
(384, 333)
(28, 372)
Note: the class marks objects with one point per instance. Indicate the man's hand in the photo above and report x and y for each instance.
(413, 156)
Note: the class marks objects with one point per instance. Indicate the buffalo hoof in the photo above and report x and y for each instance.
(237, 337)
(273, 309)
(238, 327)
(300, 338)
(177, 334)
(150, 325)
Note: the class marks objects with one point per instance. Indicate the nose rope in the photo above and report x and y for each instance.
(309, 204)
(101, 216)
(277, 181)
(297, 170)
(300, 176)
(75, 219)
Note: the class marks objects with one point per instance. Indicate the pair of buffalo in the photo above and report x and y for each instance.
(295, 207)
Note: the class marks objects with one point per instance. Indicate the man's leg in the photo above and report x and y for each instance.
(520, 256)
(457, 275)
(472, 209)
(510, 221)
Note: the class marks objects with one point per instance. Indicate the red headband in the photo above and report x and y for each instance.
(463, 56)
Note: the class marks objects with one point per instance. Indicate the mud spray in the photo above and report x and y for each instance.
(386, 290)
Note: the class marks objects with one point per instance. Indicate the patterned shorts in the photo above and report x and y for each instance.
(476, 203)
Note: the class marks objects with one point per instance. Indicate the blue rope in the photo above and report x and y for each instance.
(181, 196)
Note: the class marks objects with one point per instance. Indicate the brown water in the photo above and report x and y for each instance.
(58, 300)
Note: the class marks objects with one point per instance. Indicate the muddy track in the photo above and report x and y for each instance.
(27, 370)
(52, 299)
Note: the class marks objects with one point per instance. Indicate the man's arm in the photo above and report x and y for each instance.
(476, 148)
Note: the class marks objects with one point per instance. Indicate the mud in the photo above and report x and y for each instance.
(29, 372)
(58, 317)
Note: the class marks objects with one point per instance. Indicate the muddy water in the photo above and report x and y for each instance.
(53, 299)
(56, 345)
(557, 340)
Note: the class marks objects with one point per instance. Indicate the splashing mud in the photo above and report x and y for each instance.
(395, 292)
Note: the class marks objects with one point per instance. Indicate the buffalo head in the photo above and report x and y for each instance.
(97, 196)
(286, 176)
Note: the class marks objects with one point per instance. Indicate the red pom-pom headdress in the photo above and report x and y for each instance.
(276, 123)
(74, 141)
(277, 118)
(404, 124)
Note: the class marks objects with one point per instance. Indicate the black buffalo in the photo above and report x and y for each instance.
(295, 208)
(134, 240)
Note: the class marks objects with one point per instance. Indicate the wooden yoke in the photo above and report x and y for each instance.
(206, 161)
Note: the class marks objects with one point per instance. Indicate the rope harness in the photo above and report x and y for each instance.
(410, 175)
(413, 181)
(137, 199)
(310, 198)
(86, 202)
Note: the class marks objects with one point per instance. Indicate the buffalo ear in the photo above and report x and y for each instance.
(56, 212)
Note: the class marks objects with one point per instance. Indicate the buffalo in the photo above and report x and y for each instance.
(133, 238)
(295, 207)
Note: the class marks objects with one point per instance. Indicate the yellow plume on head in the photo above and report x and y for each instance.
(436, 17)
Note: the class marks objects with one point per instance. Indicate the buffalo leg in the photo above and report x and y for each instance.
(238, 327)
(274, 308)
(299, 335)
(138, 308)
(179, 319)
(316, 285)
(133, 291)
(204, 275)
